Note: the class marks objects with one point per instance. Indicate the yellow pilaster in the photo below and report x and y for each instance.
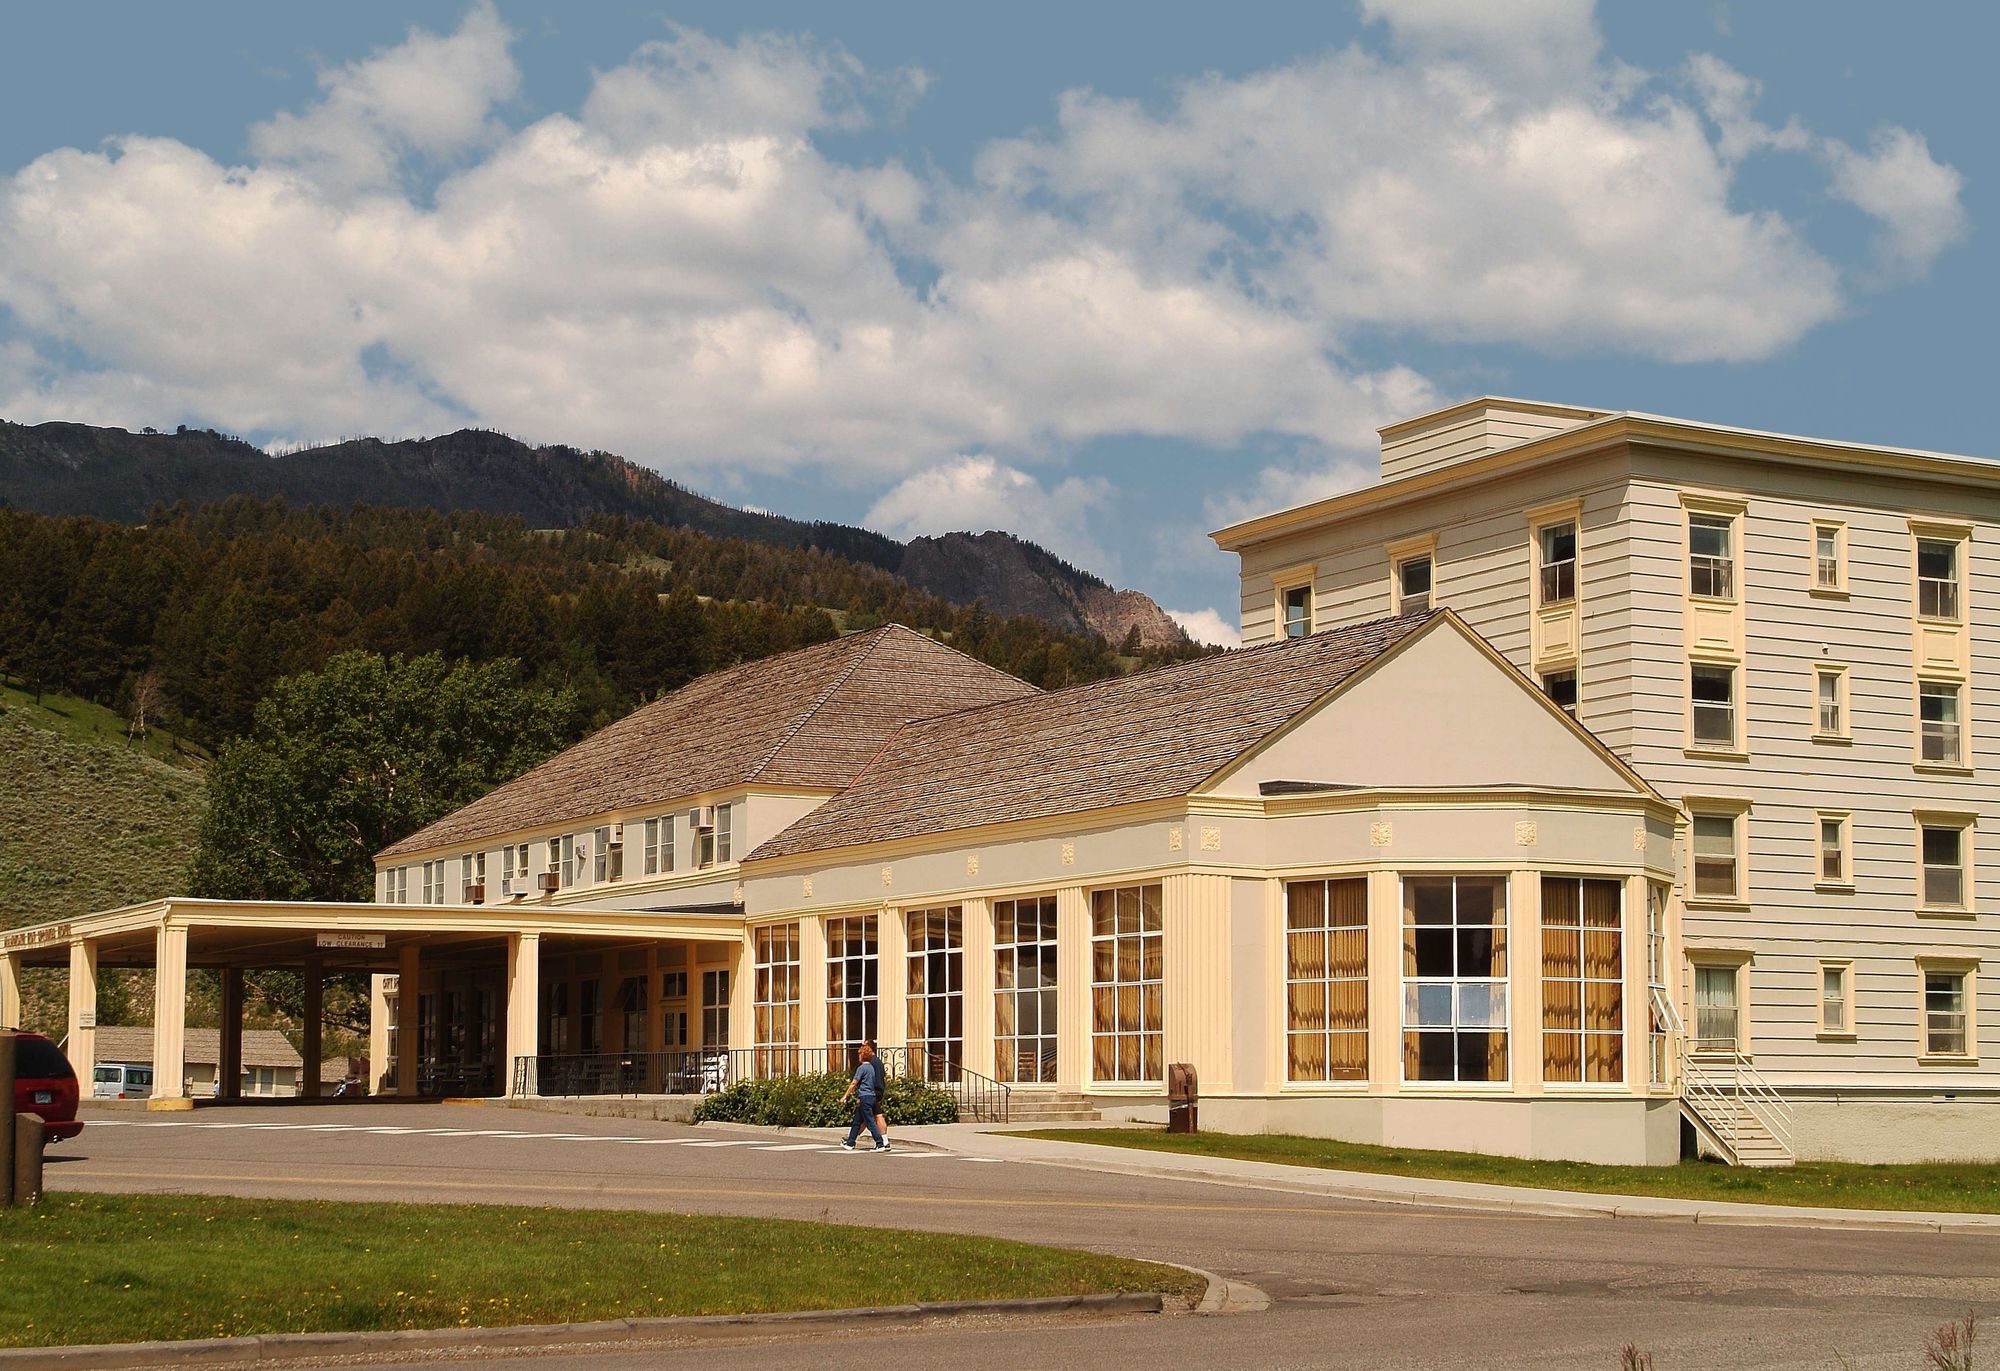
(1638, 994)
(1194, 919)
(169, 1012)
(380, 1068)
(12, 1014)
(83, 1008)
(524, 1011)
(1385, 982)
(976, 920)
(812, 984)
(1524, 976)
(892, 946)
(1073, 1066)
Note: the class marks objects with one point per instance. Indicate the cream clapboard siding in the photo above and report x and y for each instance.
(1789, 925)
(1484, 562)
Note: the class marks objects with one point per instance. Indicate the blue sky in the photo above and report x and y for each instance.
(1107, 276)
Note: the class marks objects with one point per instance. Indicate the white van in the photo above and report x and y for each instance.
(117, 1081)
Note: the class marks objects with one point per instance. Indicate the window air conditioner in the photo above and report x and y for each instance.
(475, 893)
(617, 836)
(551, 881)
(701, 817)
(510, 886)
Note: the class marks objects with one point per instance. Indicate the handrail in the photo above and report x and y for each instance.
(981, 1098)
(1732, 1087)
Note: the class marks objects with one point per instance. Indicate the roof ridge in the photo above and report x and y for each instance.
(805, 717)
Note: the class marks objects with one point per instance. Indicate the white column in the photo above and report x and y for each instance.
(313, 1031)
(524, 1011)
(229, 1069)
(408, 991)
(82, 1038)
(170, 946)
(12, 1014)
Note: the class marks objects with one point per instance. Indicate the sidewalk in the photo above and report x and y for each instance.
(996, 1143)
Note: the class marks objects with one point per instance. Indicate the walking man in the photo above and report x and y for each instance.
(866, 1092)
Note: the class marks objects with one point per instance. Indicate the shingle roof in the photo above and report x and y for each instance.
(261, 1047)
(812, 718)
(1155, 735)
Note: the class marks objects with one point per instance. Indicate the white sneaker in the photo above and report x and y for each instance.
(848, 1146)
(883, 1146)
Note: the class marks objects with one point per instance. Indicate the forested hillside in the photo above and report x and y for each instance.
(197, 612)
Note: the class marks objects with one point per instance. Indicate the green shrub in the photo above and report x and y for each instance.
(814, 1102)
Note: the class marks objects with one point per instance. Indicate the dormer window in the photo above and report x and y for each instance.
(1413, 585)
(1296, 604)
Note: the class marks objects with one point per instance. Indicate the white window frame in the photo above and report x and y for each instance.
(1952, 736)
(1946, 595)
(1412, 1015)
(853, 984)
(1841, 969)
(1697, 743)
(1963, 826)
(725, 835)
(1843, 823)
(1735, 970)
(1842, 729)
(777, 998)
(1817, 564)
(1737, 812)
(1322, 932)
(1544, 566)
(1722, 570)
(1576, 689)
(1422, 548)
(1965, 970)
(1045, 994)
(1304, 622)
(934, 997)
(1148, 986)
(471, 871)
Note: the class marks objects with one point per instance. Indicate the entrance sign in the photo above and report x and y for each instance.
(370, 941)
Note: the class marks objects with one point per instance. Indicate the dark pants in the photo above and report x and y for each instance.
(864, 1117)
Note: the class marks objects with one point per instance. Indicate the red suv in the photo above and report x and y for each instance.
(45, 1085)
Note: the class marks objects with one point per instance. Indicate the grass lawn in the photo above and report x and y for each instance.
(1966, 1187)
(125, 1268)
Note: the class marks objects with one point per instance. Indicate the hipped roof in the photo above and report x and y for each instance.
(1156, 735)
(810, 718)
(261, 1047)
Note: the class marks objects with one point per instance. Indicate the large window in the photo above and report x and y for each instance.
(1715, 857)
(472, 877)
(1127, 975)
(1943, 857)
(1455, 978)
(1712, 556)
(632, 1012)
(1946, 1019)
(1942, 741)
(1413, 585)
(1937, 578)
(1712, 705)
(1326, 980)
(935, 988)
(775, 997)
(715, 1009)
(1558, 549)
(660, 845)
(1024, 982)
(590, 1016)
(434, 882)
(568, 857)
(1583, 980)
(1296, 602)
(555, 1018)
(853, 963)
(1718, 1017)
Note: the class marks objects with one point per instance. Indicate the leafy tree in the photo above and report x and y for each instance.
(340, 763)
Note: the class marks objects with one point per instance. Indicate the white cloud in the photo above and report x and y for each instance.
(974, 494)
(678, 269)
(1207, 626)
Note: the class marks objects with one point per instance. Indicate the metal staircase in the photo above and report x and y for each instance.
(1734, 1109)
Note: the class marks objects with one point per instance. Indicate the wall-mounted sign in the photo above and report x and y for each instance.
(86, 1018)
(369, 941)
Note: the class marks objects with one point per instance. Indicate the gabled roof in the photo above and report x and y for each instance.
(261, 1047)
(809, 718)
(1156, 735)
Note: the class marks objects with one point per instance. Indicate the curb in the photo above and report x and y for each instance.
(1539, 1205)
(830, 1136)
(267, 1347)
(1223, 1296)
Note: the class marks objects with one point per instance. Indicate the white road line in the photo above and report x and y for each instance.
(727, 1142)
(791, 1147)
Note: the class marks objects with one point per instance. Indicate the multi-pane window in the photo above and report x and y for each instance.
(775, 997)
(1454, 978)
(632, 1009)
(1127, 984)
(1712, 556)
(673, 985)
(712, 844)
(472, 876)
(568, 856)
(399, 885)
(1828, 571)
(715, 1008)
(1945, 1017)
(1942, 735)
(1718, 1018)
(1298, 613)
(434, 882)
(1558, 549)
(1560, 686)
(1661, 1021)
(1937, 578)
(659, 846)
(1712, 705)
(1833, 862)
(1583, 980)
(1326, 980)
(1413, 585)
(1830, 699)
(1715, 864)
(1943, 866)
(724, 833)
(555, 1017)
(935, 992)
(1833, 997)
(607, 862)
(1024, 981)
(853, 968)
(590, 1016)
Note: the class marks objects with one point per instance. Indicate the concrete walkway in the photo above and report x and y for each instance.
(1000, 1144)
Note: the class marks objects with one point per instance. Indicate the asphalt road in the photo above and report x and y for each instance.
(1352, 1285)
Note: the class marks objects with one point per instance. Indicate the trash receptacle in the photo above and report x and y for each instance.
(1183, 1098)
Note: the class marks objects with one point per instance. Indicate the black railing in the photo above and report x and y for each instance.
(699, 1071)
(437, 1077)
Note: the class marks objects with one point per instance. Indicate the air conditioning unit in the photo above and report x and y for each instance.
(617, 836)
(476, 893)
(513, 887)
(551, 881)
(701, 817)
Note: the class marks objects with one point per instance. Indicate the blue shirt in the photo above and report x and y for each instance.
(869, 1079)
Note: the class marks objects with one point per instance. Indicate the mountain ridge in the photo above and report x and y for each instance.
(63, 468)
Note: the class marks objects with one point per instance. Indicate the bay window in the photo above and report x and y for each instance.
(1326, 980)
(1583, 980)
(1127, 984)
(1455, 978)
